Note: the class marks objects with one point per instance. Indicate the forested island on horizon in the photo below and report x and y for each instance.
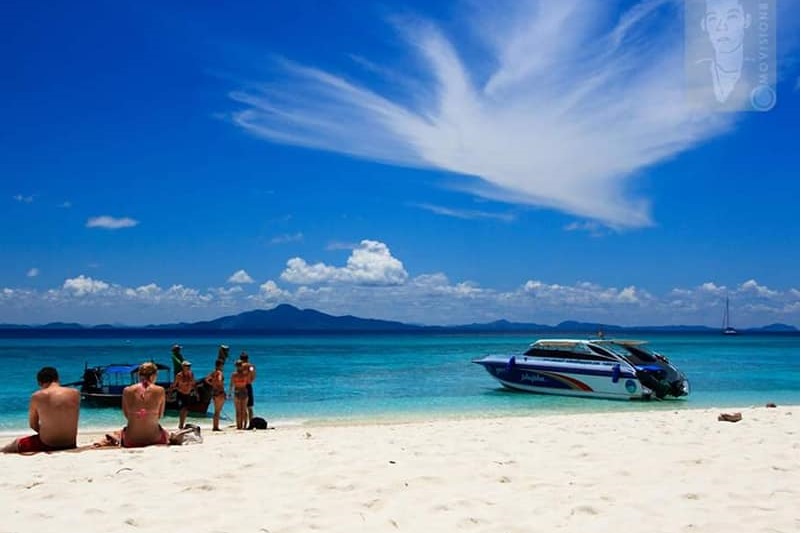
(286, 318)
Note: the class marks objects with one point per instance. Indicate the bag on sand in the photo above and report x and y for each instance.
(189, 435)
(258, 423)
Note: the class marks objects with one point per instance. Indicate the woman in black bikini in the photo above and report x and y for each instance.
(217, 382)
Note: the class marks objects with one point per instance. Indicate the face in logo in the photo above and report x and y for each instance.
(631, 387)
(725, 22)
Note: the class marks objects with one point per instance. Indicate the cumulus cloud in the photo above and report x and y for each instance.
(83, 285)
(584, 294)
(270, 293)
(107, 222)
(425, 299)
(370, 263)
(240, 276)
(751, 286)
(577, 103)
(374, 284)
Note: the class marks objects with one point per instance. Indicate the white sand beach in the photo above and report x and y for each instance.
(667, 471)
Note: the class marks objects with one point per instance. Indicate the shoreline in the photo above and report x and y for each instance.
(675, 470)
(170, 421)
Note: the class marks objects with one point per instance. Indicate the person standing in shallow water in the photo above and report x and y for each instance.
(222, 352)
(216, 380)
(52, 414)
(239, 391)
(251, 371)
(177, 359)
(186, 394)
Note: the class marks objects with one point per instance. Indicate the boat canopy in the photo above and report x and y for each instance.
(121, 369)
(127, 368)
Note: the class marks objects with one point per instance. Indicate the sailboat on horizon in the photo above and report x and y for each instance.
(728, 329)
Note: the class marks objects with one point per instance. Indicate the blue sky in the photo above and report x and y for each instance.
(434, 163)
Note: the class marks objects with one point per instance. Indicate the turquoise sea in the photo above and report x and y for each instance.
(406, 376)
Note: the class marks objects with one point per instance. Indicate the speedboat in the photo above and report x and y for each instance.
(593, 368)
(102, 386)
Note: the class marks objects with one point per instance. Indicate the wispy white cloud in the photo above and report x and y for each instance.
(32, 272)
(592, 227)
(240, 276)
(108, 222)
(65, 204)
(287, 238)
(573, 109)
(338, 245)
(23, 199)
(467, 214)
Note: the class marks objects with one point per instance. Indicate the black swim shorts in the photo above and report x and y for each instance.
(250, 395)
(184, 400)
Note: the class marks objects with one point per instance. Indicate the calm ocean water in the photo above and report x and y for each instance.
(334, 377)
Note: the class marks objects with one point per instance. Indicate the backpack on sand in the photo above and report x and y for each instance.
(258, 423)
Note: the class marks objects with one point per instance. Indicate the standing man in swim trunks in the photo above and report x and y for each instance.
(251, 370)
(143, 406)
(53, 415)
(184, 384)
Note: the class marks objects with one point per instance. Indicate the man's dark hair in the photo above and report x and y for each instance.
(46, 375)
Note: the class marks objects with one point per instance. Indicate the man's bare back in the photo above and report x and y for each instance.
(53, 415)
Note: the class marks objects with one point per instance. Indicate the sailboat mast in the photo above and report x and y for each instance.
(727, 327)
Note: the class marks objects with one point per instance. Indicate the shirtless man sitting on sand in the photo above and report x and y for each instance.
(143, 406)
(53, 415)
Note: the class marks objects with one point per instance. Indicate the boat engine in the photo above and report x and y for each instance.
(91, 379)
(653, 377)
(680, 387)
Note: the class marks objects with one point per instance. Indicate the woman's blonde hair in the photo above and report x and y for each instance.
(148, 369)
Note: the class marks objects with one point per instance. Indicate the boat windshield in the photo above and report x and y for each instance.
(638, 354)
(568, 350)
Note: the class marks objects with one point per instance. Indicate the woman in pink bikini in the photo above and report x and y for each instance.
(143, 406)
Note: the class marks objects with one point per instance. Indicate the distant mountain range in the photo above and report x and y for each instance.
(289, 319)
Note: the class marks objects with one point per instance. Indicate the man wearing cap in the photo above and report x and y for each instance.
(184, 385)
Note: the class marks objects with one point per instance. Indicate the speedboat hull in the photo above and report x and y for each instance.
(615, 369)
(600, 380)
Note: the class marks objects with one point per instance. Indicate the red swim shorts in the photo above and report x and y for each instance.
(34, 444)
